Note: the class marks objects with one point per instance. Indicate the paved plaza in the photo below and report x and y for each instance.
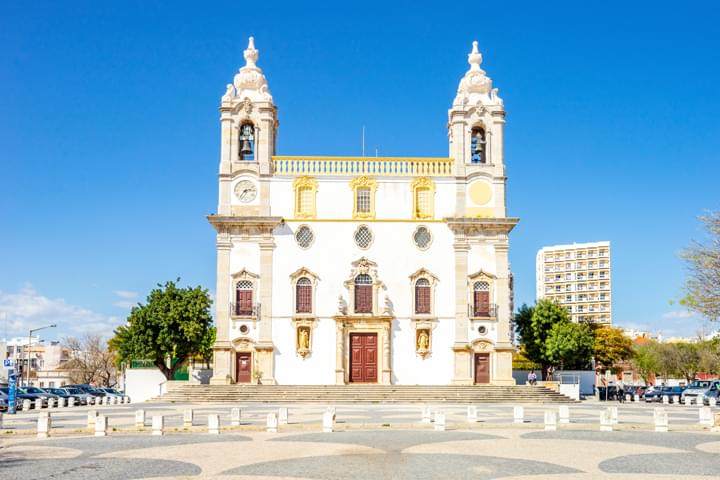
(370, 441)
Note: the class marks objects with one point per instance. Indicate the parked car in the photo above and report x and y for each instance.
(85, 388)
(3, 402)
(607, 393)
(40, 393)
(82, 397)
(698, 388)
(20, 396)
(670, 392)
(111, 392)
(63, 394)
(712, 393)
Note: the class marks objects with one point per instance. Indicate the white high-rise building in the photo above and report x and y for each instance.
(336, 270)
(578, 277)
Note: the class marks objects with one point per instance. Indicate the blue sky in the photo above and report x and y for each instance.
(109, 132)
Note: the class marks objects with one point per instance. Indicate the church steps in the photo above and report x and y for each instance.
(361, 394)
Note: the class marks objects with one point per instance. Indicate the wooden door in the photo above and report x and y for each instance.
(363, 357)
(243, 371)
(482, 304)
(482, 368)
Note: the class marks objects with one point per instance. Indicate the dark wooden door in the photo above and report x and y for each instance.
(482, 368)
(244, 367)
(482, 304)
(363, 357)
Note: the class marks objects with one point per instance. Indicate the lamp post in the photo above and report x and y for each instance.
(27, 384)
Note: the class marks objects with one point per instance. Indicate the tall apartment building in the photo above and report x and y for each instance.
(577, 276)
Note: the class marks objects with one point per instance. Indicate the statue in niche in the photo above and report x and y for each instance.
(303, 338)
(423, 341)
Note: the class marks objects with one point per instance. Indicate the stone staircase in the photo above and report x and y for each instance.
(361, 394)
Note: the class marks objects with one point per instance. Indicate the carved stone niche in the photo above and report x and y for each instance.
(422, 342)
(482, 346)
(303, 336)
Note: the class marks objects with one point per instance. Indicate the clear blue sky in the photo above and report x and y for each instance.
(109, 132)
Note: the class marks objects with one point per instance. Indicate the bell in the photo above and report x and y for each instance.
(245, 148)
(479, 142)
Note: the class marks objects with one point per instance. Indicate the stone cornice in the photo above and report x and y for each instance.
(252, 225)
(472, 226)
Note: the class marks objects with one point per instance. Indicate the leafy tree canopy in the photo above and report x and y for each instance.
(703, 263)
(533, 326)
(570, 345)
(174, 323)
(611, 346)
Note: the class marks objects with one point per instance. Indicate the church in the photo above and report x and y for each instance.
(381, 270)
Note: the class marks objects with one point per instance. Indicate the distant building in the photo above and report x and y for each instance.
(578, 277)
(45, 360)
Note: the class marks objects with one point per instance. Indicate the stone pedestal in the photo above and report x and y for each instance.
(158, 425)
(214, 424)
(188, 417)
(235, 417)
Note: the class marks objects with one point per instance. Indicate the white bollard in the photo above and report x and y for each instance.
(716, 423)
(427, 415)
(61, 402)
(272, 422)
(235, 417)
(26, 405)
(518, 414)
(666, 399)
(91, 418)
(158, 424)
(115, 400)
(564, 414)
(613, 415)
(38, 404)
(712, 401)
(440, 421)
(188, 417)
(676, 399)
(550, 421)
(331, 410)
(705, 416)
(101, 424)
(139, 418)
(214, 424)
(628, 397)
(606, 424)
(71, 402)
(472, 413)
(636, 398)
(44, 423)
(90, 400)
(661, 421)
(328, 421)
(283, 416)
(50, 402)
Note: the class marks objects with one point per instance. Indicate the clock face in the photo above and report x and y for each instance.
(245, 191)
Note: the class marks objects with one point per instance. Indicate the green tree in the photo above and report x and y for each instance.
(570, 345)
(646, 360)
(702, 289)
(174, 323)
(684, 360)
(533, 326)
(611, 347)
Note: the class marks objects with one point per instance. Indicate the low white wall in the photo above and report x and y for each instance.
(142, 384)
(587, 378)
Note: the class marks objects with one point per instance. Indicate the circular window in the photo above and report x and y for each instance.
(244, 329)
(363, 236)
(422, 238)
(304, 236)
(482, 330)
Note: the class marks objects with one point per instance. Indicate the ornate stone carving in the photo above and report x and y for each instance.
(342, 305)
(422, 342)
(250, 81)
(388, 309)
(229, 93)
(475, 85)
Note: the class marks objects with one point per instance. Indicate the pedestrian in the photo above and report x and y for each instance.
(620, 391)
(532, 378)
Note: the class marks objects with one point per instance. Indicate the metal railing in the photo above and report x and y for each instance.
(478, 313)
(237, 310)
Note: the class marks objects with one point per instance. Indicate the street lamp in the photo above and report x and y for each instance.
(27, 384)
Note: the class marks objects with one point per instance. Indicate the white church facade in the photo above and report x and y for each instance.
(341, 270)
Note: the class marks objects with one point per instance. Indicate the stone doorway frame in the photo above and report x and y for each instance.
(381, 326)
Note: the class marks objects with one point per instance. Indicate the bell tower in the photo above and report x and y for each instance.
(248, 119)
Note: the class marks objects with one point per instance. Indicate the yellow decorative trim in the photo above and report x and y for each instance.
(379, 220)
(375, 166)
(300, 184)
(416, 185)
(363, 182)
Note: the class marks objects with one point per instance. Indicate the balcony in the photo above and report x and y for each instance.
(480, 313)
(237, 310)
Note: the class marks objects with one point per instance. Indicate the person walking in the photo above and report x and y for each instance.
(620, 391)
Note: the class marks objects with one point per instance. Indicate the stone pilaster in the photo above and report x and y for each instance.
(226, 129)
(264, 347)
(222, 355)
(339, 353)
(462, 365)
(503, 347)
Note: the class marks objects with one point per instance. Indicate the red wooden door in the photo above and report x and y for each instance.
(482, 368)
(363, 357)
(482, 304)
(243, 372)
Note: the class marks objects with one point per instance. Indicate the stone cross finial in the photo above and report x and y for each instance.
(251, 54)
(475, 57)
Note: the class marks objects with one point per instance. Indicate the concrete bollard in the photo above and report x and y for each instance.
(613, 415)
(606, 424)
(666, 399)
(472, 413)
(90, 400)
(106, 400)
(705, 416)
(636, 398)
(427, 415)
(328, 421)
(101, 424)
(51, 403)
(91, 418)
(61, 402)
(235, 417)
(440, 421)
(38, 404)
(518, 414)
(188, 417)
(628, 397)
(661, 421)
(26, 405)
(114, 400)
(71, 402)
(564, 414)
(676, 399)
(716, 423)
(272, 422)
(550, 421)
(158, 424)
(712, 401)
(282, 416)
(44, 424)
(332, 410)
(139, 418)
(214, 424)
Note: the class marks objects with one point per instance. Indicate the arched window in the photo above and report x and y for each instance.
(363, 294)
(244, 297)
(481, 299)
(422, 296)
(303, 296)
(423, 206)
(246, 150)
(478, 144)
